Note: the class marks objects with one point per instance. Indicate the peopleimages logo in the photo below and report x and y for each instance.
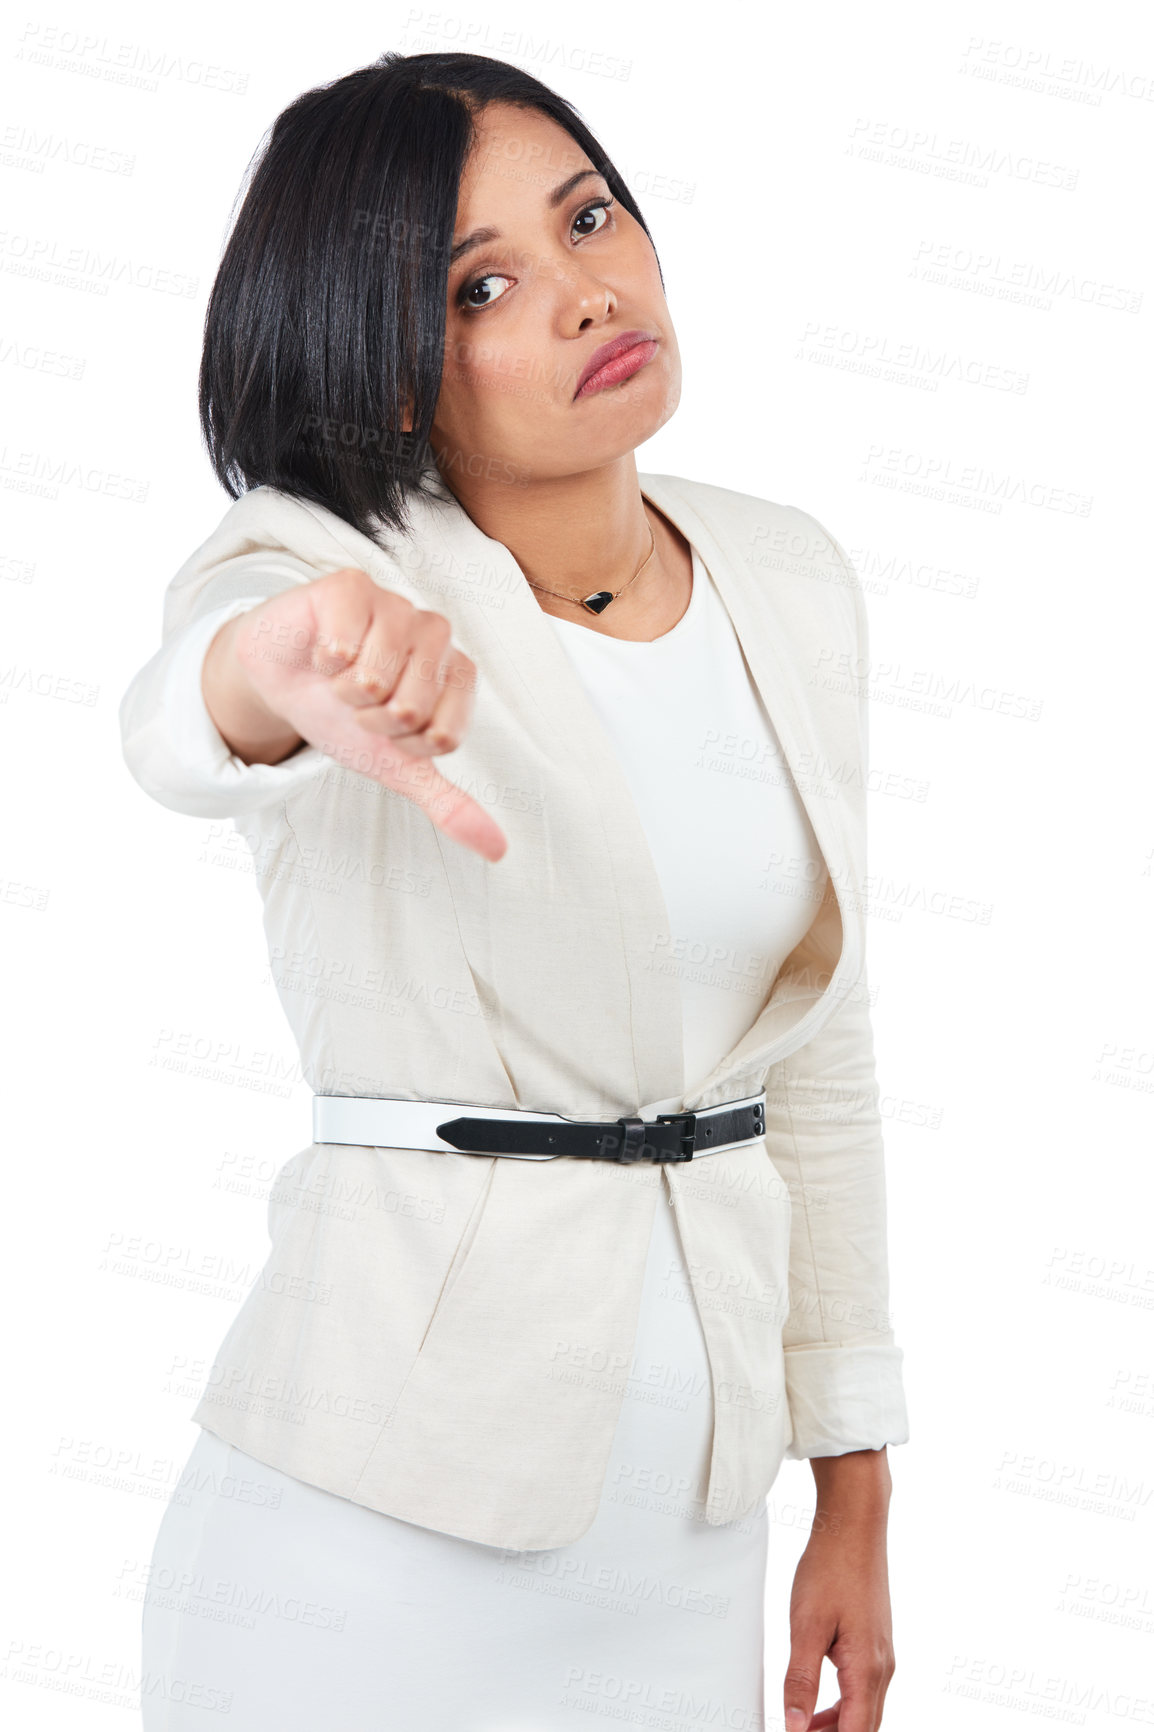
(132, 64)
(623, 1698)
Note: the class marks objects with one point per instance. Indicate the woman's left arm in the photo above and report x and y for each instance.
(842, 1365)
(840, 1606)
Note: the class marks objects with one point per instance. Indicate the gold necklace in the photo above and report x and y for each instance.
(600, 599)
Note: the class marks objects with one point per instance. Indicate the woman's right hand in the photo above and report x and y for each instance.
(361, 673)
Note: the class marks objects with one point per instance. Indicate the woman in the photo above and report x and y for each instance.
(591, 1235)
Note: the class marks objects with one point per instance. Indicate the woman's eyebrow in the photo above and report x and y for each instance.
(482, 237)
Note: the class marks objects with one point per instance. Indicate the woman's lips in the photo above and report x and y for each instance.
(619, 366)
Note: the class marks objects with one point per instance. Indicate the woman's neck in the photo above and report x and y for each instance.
(588, 532)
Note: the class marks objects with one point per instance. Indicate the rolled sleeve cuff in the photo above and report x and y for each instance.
(843, 1398)
(199, 770)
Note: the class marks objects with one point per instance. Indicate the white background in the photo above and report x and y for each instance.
(907, 252)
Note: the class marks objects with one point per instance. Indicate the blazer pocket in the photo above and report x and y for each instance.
(464, 1245)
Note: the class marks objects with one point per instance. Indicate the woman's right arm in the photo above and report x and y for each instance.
(169, 739)
(246, 702)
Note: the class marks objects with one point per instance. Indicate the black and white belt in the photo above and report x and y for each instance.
(382, 1123)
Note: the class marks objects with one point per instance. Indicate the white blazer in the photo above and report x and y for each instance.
(446, 1337)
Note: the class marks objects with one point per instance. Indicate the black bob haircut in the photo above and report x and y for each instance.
(327, 314)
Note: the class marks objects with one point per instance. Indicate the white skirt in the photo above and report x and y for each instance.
(289, 1609)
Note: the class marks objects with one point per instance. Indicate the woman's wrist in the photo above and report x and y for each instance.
(852, 1489)
(244, 721)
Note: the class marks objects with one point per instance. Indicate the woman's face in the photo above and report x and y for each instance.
(529, 306)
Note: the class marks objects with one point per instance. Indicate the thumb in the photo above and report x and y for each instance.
(802, 1677)
(453, 811)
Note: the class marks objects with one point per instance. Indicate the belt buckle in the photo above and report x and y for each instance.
(688, 1137)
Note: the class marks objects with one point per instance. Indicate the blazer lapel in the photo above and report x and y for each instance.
(774, 647)
(578, 889)
(585, 895)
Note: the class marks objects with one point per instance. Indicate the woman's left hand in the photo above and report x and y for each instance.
(840, 1605)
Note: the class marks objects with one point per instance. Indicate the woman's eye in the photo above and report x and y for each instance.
(602, 204)
(467, 296)
(465, 299)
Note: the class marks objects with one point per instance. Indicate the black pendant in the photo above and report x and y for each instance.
(598, 602)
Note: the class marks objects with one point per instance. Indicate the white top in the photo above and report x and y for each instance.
(705, 767)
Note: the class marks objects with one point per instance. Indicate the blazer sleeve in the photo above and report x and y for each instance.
(842, 1366)
(168, 738)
